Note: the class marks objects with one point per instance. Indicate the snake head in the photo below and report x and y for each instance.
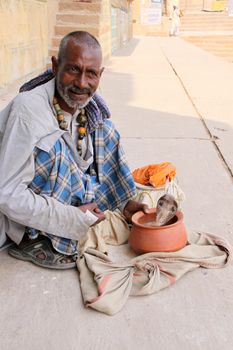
(166, 209)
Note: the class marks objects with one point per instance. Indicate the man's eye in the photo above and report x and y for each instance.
(92, 74)
(73, 69)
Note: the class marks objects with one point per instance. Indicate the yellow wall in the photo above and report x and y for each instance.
(218, 5)
(105, 28)
(23, 38)
(211, 5)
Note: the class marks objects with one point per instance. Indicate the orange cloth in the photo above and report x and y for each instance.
(155, 174)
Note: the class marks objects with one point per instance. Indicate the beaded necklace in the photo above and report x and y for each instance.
(81, 120)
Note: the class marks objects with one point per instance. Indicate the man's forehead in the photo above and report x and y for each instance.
(76, 50)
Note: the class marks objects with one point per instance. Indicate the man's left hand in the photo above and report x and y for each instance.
(132, 207)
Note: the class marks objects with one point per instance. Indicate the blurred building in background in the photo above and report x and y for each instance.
(32, 29)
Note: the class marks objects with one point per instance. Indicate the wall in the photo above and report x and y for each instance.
(105, 28)
(24, 38)
(115, 25)
(195, 5)
(29, 28)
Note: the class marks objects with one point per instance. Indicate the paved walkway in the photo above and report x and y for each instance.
(171, 102)
(206, 33)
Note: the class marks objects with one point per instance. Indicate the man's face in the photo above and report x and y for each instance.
(77, 74)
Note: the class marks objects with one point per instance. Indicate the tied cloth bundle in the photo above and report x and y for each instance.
(106, 285)
(155, 175)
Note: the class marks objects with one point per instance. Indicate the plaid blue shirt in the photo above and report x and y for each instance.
(57, 175)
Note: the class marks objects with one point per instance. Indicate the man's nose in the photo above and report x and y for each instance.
(81, 81)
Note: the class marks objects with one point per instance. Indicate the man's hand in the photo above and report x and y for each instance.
(132, 207)
(92, 207)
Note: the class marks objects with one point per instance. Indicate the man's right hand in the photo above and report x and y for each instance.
(93, 208)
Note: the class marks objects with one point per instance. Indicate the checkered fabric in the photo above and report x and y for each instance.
(57, 175)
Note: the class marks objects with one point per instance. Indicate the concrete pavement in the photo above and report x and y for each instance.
(171, 102)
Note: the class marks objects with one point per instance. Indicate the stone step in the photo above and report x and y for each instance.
(211, 31)
(73, 18)
(211, 47)
(224, 55)
(75, 15)
(208, 20)
(200, 20)
(194, 7)
(65, 29)
(212, 41)
(228, 44)
(206, 14)
(81, 7)
(184, 4)
(214, 48)
(205, 28)
(215, 39)
(56, 40)
(217, 50)
(220, 49)
(207, 24)
(53, 52)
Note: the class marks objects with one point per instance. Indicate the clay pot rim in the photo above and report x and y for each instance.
(140, 214)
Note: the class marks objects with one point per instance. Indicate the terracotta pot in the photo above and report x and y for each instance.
(168, 238)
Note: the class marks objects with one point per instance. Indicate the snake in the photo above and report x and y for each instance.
(165, 211)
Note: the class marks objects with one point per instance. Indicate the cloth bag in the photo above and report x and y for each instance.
(106, 285)
(155, 180)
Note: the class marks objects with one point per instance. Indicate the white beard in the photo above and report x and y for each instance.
(72, 104)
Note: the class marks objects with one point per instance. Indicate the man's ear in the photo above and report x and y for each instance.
(101, 70)
(54, 65)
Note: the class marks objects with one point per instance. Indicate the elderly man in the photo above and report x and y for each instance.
(62, 164)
